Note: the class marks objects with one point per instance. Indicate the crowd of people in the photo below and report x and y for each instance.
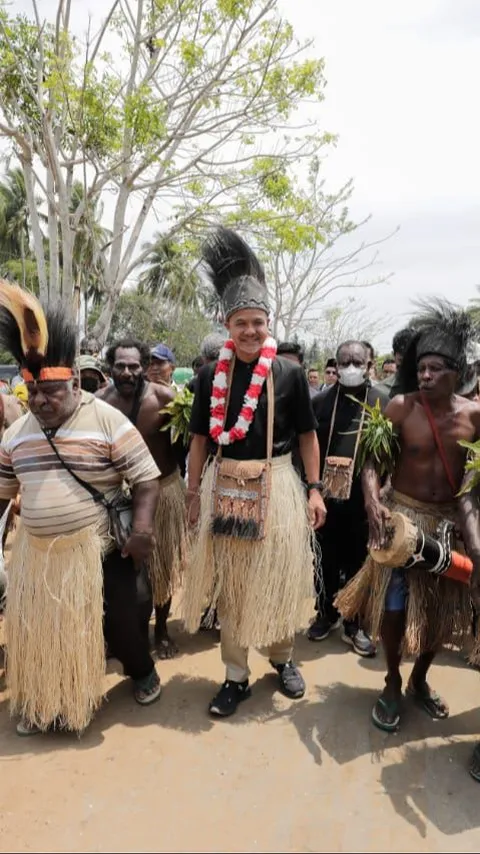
(278, 502)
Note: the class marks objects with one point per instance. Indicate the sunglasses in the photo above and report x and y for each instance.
(331, 372)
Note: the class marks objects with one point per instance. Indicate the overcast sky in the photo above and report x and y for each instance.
(402, 94)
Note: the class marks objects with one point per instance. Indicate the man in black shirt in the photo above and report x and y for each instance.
(252, 550)
(343, 539)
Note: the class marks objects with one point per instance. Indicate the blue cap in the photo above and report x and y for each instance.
(163, 353)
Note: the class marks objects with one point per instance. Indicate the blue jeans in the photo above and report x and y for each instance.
(397, 592)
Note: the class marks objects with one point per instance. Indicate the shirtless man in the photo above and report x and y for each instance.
(425, 488)
(142, 401)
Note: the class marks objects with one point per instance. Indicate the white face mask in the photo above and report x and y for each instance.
(351, 377)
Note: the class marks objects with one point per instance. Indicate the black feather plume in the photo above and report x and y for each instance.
(62, 338)
(442, 328)
(227, 257)
(61, 349)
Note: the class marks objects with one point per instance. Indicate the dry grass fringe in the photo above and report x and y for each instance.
(54, 629)
(169, 556)
(438, 609)
(265, 587)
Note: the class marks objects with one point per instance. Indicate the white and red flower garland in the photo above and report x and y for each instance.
(250, 401)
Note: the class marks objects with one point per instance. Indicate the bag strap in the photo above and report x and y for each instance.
(270, 409)
(360, 427)
(439, 443)
(332, 421)
(95, 493)
(270, 414)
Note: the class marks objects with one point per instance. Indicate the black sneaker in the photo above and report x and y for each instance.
(230, 695)
(359, 640)
(292, 683)
(321, 628)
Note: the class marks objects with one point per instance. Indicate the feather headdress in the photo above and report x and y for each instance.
(43, 344)
(235, 272)
(440, 329)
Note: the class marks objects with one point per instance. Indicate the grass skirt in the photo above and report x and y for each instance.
(54, 628)
(264, 587)
(169, 555)
(438, 610)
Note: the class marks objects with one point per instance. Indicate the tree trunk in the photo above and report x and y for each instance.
(36, 230)
(22, 258)
(102, 327)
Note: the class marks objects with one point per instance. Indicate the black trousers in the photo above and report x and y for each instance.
(121, 623)
(343, 545)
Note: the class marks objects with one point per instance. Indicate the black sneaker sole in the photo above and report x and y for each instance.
(316, 638)
(362, 653)
(292, 696)
(326, 634)
(217, 713)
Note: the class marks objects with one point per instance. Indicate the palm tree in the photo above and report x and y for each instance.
(90, 237)
(14, 218)
(169, 275)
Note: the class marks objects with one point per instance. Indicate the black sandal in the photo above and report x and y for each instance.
(391, 709)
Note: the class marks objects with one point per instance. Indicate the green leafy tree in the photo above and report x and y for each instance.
(139, 315)
(170, 273)
(172, 108)
(14, 221)
(306, 238)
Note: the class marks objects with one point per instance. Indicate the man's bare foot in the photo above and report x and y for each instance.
(428, 700)
(386, 711)
(166, 647)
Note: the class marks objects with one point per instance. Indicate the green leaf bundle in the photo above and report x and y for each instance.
(378, 441)
(472, 465)
(179, 411)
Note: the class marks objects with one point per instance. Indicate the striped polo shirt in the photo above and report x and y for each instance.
(101, 446)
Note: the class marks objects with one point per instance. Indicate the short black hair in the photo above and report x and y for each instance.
(331, 363)
(401, 340)
(389, 361)
(197, 363)
(366, 346)
(291, 348)
(128, 344)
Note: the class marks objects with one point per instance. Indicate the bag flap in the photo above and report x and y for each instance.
(339, 462)
(241, 469)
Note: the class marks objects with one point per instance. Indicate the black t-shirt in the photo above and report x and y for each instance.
(347, 418)
(293, 409)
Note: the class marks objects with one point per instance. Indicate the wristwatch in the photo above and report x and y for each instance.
(318, 485)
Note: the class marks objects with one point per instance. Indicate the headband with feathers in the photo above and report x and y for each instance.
(43, 344)
(440, 329)
(235, 272)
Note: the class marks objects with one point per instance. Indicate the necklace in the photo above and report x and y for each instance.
(218, 400)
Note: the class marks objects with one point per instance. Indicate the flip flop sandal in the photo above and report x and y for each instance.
(392, 709)
(474, 769)
(24, 729)
(147, 690)
(431, 704)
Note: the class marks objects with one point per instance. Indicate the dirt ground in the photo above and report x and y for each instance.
(281, 776)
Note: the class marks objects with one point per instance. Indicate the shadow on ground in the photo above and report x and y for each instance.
(423, 781)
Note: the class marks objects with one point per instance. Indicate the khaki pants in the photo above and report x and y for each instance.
(235, 658)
